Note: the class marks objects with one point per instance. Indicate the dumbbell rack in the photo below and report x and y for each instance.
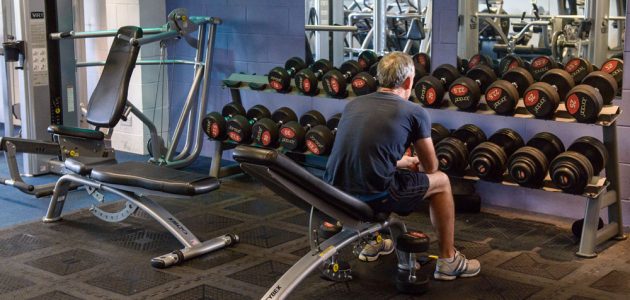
(602, 192)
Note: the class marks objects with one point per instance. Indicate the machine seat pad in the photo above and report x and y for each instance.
(156, 178)
(83, 165)
(284, 166)
(76, 132)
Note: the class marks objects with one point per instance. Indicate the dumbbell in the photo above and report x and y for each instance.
(578, 68)
(280, 78)
(366, 59)
(239, 128)
(465, 92)
(578, 225)
(614, 67)
(306, 80)
(541, 65)
(480, 59)
(488, 160)
(422, 61)
(366, 82)
(585, 101)
(412, 243)
(452, 152)
(214, 123)
(502, 95)
(265, 131)
(292, 133)
(572, 170)
(509, 62)
(320, 139)
(542, 98)
(335, 81)
(430, 89)
(439, 132)
(528, 165)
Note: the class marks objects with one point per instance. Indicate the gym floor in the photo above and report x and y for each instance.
(82, 257)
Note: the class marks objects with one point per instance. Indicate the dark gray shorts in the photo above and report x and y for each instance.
(405, 193)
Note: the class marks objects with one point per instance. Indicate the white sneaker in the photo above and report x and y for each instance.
(458, 266)
(376, 248)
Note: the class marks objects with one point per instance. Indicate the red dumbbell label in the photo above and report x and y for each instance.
(430, 96)
(334, 85)
(531, 98)
(422, 60)
(306, 85)
(610, 66)
(459, 90)
(265, 138)
(276, 85)
(312, 147)
(287, 133)
(573, 104)
(474, 61)
(358, 83)
(540, 62)
(572, 65)
(362, 63)
(214, 130)
(234, 136)
(513, 64)
(493, 94)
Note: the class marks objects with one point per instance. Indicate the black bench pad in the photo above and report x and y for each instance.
(76, 132)
(83, 165)
(156, 178)
(290, 170)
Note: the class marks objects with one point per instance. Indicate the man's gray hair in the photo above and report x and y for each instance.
(393, 69)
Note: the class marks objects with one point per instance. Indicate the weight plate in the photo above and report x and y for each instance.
(465, 93)
(541, 100)
(350, 68)
(510, 62)
(571, 172)
(593, 149)
(452, 156)
(335, 84)
(520, 77)
(363, 84)
(560, 79)
(294, 64)
(540, 65)
(528, 167)
(438, 132)
(479, 59)
(312, 118)
(578, 68)
(508, 139)
(366, 59)
(320, 67)
(214, 126)
(446, 73)
(484, 75)
(265, 133)
(422, 61)
(232, 109)
(279, 80)
(306, 82)
(319, 140)
(604, 83)
(502, 97)
(258, 111)
(291, 136)
(584, 103)
(333, 121)
(429, 91)
(614, 67)
(283, 115)
(238, 129)
(548, 143)
(488, 161)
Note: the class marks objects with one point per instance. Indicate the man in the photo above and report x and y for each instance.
(368, 161)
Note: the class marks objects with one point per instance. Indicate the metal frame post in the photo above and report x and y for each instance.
(597, 12)
(380, 26)
(468, 33)
(8, 14)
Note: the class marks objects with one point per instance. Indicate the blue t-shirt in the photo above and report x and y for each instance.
(373, 134)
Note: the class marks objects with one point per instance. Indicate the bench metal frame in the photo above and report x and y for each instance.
(137, 199)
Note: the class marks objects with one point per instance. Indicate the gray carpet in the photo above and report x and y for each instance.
(82, 257)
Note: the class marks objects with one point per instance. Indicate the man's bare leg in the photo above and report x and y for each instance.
(442, 211)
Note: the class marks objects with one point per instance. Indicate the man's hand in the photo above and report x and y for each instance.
(409, 162)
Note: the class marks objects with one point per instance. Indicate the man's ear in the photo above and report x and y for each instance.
(407, 84)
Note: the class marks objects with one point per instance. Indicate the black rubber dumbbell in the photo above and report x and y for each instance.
(422, 61)
(509, 62)
(502, 95)
(452, 152)
(614, 67)
(542, 98)
(528, 165)
(572, 170)
(366, 59)
(366, 82)
(578, 225)
(465, 92)
(585, 101)
(430, 89)
(480, 59)
(214, 124)
(335, 82)
(307, 79)
(541, 65)
(239, 128)
(578, 68)
(292, 134)
(265, 131)
(407, 281)
(489, 159)
(320, 139)
(439, 132)
(280, 78)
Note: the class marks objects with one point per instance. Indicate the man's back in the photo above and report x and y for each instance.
(373, 134)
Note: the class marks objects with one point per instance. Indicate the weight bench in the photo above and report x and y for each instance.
(107, 106)
(296, 185)
(134, 181)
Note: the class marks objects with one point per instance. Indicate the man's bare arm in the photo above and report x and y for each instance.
(426, 155)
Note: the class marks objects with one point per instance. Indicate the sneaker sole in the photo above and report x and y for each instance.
(440, 276)
(373, 258)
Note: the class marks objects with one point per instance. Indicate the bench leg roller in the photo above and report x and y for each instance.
(179, 256)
